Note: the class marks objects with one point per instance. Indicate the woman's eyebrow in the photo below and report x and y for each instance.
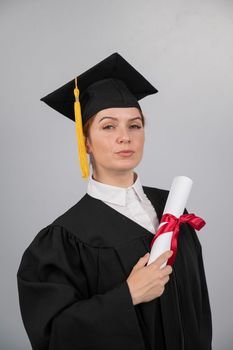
(117, 118)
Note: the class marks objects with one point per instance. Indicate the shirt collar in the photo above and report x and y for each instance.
(113, 194)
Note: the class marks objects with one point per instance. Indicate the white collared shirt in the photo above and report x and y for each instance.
(131, 201)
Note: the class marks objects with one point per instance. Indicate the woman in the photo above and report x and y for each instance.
(83, 281)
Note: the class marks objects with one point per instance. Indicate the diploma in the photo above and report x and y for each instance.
(166, 237)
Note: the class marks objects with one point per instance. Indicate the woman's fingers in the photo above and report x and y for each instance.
(166, 279)
(162, 259)
(148, 282)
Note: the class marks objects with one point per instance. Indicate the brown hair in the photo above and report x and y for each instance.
(86, 132)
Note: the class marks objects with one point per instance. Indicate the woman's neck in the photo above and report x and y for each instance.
(125, 179)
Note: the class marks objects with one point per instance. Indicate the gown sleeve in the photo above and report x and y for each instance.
(57, 309)
(206, 330)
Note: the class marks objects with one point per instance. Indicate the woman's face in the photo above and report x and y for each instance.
(114, 130)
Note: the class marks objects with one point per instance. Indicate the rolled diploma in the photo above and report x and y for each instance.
(175, 204)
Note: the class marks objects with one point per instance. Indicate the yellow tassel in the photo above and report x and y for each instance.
(79, 134)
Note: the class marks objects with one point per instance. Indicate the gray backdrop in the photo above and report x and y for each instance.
(185, 48)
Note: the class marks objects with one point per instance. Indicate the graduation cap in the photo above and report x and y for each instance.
(113, 82)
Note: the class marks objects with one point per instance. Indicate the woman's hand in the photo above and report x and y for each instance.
(147, 282)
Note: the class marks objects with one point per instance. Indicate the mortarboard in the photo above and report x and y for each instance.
(113, 82)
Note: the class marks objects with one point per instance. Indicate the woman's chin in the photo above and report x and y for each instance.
(125, 166)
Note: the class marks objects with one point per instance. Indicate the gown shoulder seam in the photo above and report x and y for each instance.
(74, 236)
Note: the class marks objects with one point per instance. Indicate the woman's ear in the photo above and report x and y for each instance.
(87, 145)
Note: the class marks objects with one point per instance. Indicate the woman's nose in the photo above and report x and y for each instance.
(123, 136)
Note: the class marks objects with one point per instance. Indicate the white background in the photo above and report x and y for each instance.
(185, 49)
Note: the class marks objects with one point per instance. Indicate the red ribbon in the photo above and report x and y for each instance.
(173, 225)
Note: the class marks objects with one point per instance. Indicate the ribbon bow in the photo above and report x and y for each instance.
(173, 225)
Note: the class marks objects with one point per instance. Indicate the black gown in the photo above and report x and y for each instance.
(73, 292)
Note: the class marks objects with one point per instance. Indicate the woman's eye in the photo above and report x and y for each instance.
(133, 126)
(137, 126)
(107, 126)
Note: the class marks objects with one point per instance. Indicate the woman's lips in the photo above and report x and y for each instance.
(125, 153)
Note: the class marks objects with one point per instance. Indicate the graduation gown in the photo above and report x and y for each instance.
(74, 295)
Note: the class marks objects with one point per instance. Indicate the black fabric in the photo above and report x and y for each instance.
(113, 82)
(73, 292)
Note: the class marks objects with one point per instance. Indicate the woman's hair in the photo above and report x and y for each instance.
(86, 131)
